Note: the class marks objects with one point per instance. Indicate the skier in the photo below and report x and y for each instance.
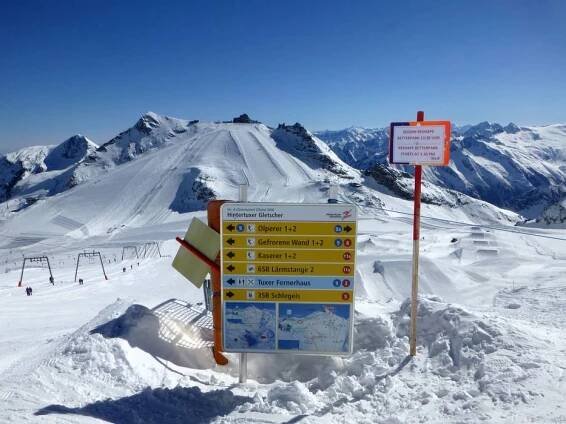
(52, 280)
(124, 269)
(81, 281)
(27, 291)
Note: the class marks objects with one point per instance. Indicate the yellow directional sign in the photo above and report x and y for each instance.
(289, 228)
(324, 296)
(290, 255)
(288, 272)
(286, 242)
(314, 269)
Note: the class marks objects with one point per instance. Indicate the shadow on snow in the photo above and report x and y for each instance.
(158, 406)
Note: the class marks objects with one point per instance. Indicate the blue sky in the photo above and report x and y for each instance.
(94, 66)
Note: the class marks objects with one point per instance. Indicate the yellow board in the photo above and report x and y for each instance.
(289, 228)
(204, 239)
(272, 255)
(313, 269)
(318, 296)
(286, 242)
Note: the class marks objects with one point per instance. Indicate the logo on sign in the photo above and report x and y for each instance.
(338, 242)
(347, 256)
(251, 228)
(346, 269)
(251, 241)
(345, 296)
(346, 283)
(250, 254)
(347, 242)
(250, 268)
(240, 228)
(336, 283)
(250, 295)
(338, 229)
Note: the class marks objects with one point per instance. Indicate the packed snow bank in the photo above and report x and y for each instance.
(469, 368)
(144, 329)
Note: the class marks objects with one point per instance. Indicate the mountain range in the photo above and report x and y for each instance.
(162, 168)
(522, 169)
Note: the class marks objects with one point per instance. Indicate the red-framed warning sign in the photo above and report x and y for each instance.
(420, 143)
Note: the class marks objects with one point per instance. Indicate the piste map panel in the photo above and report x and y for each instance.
(288, 277)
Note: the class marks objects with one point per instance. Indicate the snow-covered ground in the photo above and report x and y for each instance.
(492, 345)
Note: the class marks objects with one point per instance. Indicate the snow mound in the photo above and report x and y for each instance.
(452, 335)
(466, 365)
(143, 329)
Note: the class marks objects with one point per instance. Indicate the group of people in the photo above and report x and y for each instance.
(29, 290)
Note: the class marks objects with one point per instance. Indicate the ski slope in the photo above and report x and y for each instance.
(491, 343)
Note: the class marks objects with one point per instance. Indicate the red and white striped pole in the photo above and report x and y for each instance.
(416, 238)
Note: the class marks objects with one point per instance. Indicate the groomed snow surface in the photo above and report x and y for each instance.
(492, 345)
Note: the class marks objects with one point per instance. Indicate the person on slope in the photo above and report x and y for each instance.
(52, 280)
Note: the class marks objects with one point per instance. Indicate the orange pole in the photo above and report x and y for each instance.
(213, 210)
(416, 242)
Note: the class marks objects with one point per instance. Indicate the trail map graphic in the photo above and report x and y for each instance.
(250, 326)
(314, 327)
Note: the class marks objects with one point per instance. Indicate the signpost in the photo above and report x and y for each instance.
(418, 143)
(287, 273)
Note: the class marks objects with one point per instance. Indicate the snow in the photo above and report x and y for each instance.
(491, 343)
(70, 353)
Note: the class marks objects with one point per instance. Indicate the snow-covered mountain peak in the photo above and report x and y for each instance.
(298, 141)
(484, 129)
(149, 132)
(511, 128)
(31, 158)
(148, 122)
(70, 152)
